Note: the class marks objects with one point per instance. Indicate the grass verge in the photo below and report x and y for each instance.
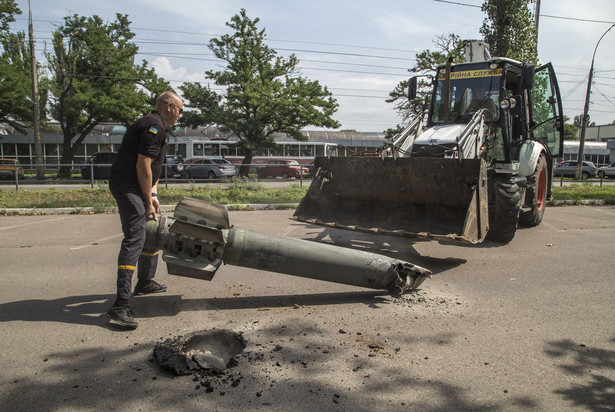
(233, 192)
(236, 191)
(576, 192)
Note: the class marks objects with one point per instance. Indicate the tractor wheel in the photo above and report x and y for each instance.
(504, 206)
(535, 195)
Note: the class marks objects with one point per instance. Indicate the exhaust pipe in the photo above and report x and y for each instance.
(199, 238)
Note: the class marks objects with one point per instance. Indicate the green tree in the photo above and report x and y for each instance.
(578, 121)
(509, 29)
(570, 129)
(15, 73)
(8, 10)
(426, 63)
(95, 79)
(263, 94)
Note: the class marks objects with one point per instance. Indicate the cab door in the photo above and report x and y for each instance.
(547, 118)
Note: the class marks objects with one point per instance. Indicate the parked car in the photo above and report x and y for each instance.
(174, 166)
(210, 168)
(606, 171)
(569, 168)
(311, 169)
(100, 163)
(7, 169)
(284, 169)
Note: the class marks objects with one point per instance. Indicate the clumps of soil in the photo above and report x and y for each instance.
(210, 356)
(420, 298)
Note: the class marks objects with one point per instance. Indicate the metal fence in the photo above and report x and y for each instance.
(79, 169)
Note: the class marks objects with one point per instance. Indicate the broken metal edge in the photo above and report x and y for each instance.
(397, 233)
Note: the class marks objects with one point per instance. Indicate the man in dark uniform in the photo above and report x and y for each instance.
(134, 185)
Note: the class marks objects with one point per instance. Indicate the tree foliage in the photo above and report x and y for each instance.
(509, 29)
(426, 62)
(8, 10)
(262, 92)
(95, 78)
(570, 129)
(16, 106)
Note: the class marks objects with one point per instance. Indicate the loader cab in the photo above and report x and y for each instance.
(523, 103)
(472, 87)
(546, 113)
(532, 110)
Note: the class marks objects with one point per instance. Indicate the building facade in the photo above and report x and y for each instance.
(210, 141)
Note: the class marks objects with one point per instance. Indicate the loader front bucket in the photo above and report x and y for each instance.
(437, 198)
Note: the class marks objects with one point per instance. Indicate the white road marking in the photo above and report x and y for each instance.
(92, 243)
(34, 223)
(288, 230)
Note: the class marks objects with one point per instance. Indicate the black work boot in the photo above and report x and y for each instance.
(123, 315)
(148, 286)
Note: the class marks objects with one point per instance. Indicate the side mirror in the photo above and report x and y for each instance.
(412, 88)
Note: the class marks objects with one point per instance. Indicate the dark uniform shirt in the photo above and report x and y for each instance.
(146, 136)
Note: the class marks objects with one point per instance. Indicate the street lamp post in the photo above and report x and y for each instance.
(586, 109)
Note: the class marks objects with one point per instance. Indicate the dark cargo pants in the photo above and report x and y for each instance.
(132, 255)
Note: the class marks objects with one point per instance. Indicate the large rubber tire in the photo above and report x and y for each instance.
(504, 207)
(211, 175)
(535, 195)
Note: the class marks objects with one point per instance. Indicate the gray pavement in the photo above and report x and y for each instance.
(525, 326)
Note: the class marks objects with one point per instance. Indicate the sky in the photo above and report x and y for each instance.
(359, 49)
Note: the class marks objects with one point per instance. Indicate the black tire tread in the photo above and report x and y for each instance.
(504, 207)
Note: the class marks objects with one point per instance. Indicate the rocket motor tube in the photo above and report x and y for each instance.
(320, 261)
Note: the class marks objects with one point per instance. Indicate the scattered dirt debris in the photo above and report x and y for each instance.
(197, 351)
(420, 298)
(210, 356)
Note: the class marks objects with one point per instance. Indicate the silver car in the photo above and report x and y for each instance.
(569, 168)
(209, 168)
(606, 171)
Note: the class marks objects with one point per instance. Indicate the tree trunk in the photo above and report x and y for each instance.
(67, 157)
(70, 147)
(244, 169)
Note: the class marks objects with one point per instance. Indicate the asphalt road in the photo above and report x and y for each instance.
(525, 326)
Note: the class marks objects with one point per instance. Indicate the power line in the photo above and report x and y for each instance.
(457, 3)
(577, 19)
(541, 15)
(182, 55)
(192, 33)
(349, 71)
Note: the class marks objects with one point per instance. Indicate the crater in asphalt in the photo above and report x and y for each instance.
(199, 350)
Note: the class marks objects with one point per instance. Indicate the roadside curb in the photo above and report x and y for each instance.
(586, 202)
(246, 207)
(108, 210)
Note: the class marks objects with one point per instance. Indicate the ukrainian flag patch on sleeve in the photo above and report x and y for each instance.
(153, 130)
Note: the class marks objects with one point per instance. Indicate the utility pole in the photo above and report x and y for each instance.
(38, 144)
(537, 17)
(536, 25)
(585, 119)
